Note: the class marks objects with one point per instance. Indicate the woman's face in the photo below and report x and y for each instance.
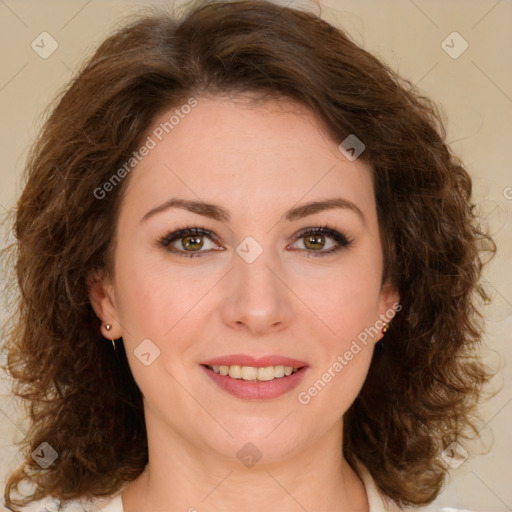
(255, 287)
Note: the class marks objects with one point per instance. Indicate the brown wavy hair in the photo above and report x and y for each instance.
(423, 383)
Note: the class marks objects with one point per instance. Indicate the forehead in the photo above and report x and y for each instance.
(250, 155)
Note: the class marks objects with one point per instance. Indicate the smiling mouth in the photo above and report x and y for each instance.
(253, 373)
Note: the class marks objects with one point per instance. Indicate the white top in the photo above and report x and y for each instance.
(377, 502)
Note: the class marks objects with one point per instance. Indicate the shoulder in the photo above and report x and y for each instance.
(49, 504)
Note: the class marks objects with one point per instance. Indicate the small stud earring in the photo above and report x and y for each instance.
(385, 327)
(108, 327)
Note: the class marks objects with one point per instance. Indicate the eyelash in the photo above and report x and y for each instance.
(342, 240)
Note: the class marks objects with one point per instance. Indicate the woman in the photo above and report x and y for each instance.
(248, 265)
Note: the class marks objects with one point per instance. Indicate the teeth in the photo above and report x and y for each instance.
(279, 371)
(253, 373)
(235, 372)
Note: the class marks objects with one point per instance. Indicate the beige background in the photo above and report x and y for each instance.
(474, 90)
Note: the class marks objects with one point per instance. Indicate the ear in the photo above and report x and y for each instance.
(389, 305)
(101, 295)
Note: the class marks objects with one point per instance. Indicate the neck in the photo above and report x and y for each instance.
(181, 477)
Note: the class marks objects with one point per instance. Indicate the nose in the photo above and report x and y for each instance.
(257, 298)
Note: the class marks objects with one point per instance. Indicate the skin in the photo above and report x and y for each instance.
(257, 161)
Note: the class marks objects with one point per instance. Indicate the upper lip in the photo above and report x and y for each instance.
(246, 360)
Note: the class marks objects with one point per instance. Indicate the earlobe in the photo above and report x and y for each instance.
(101, 295)
(389, 306)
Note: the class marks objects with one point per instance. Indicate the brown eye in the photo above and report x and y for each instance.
(314, 242)
(191, 243)
(323, 241)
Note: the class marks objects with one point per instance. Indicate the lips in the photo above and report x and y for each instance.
(246, 360)
(255, 389)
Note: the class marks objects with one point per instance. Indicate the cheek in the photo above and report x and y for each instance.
(160, 302)
(142, 306)
(347, 304)
(345, 300)
(150, 295)
(339, 375)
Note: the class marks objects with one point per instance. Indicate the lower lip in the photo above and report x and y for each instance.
(256, 390)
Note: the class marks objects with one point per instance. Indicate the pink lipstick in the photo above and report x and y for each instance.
(269, 376)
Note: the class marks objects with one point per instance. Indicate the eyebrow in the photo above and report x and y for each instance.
(218, 213)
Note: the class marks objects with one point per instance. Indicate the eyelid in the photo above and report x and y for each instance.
(188, 231)
(342, 240)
